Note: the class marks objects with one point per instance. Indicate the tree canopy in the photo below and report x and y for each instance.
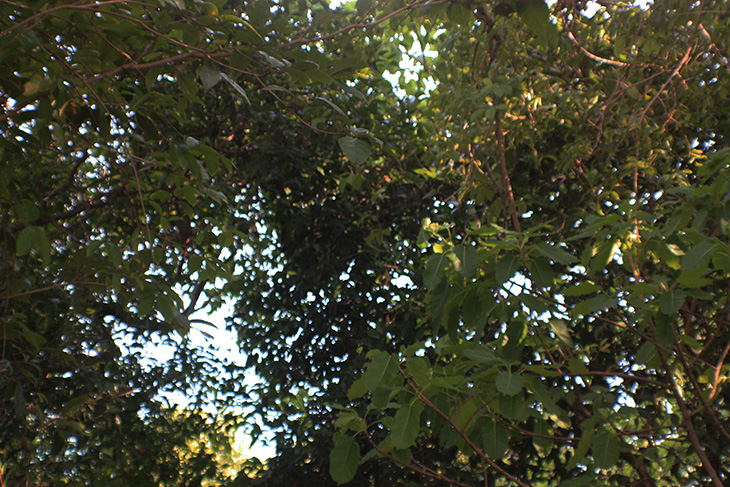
(509, 265)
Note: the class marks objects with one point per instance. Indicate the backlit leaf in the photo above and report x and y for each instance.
(560, 328)
(463, 257)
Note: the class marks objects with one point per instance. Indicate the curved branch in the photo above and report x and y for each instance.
(463, 435)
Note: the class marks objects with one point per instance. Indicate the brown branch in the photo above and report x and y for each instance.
(421, 469)
(98, 202)
(49, 288)
(506, 184)
(144, 211)
(688, 370)
(53, 10)
(674, 73)
(199, 287)
(156, 64)
(461, 433)
(592, 56)
(718, 366)
(637, 462)
(687, 420)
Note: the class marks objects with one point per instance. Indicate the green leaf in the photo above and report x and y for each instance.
(646, 354)
(698, 255)
(582, 289)
(506, 268)
(405, 426)
(587, 479)
(235, 86)
(33, 338)
(542, 445)
(695, 278)
(670, 302)
(536, 15)
(460, 14)
(26, 241)
(209, 77)
(419, 369)
(541, 273)
(480, 355)
(439, 298)
(258, 12)
(605, 449)
(381, 371)
(338, 110)
(560, 328)
(363, 6)
(721, 256)
(509, 382)
(344, 458)
(592, 305)
(513, 407)
(463, 257)
(358, 389)
(43, 245)
(464, 415)
(74, 404)
(474, 312)
(322, 77)
(496, 440)
(37, 85)
(604, 253)
(555, 253)
(357, 151)
(180, 322)
(435, 270)
(381, 396)
(584, 444)
(542, 395)
(348, 420)
(535, 304)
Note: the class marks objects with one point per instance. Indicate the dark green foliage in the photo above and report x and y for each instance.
(511, 271)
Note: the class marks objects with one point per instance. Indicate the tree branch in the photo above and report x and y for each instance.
(506, 184)
(687, 421)
(463, 435)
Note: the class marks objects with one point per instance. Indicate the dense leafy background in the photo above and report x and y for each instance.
(512, 270)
